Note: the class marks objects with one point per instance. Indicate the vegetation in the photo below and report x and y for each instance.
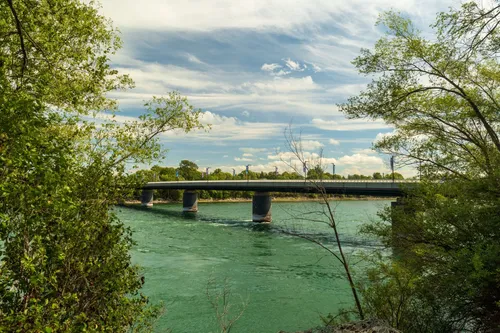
(65, 263)
(442, 98)
(189, 170)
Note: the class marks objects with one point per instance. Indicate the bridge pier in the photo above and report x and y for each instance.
(190, 201)
(147, 198)
(261, 207)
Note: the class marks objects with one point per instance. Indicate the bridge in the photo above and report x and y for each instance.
(261, 203)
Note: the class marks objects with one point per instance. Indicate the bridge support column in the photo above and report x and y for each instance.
(190, 201)
(147, 198)
(261, 207)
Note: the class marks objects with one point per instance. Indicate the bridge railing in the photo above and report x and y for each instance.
(293, 181)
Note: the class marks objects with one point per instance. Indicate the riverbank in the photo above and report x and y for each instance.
(275, 199)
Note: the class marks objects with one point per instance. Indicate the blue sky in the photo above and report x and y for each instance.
(253, 67)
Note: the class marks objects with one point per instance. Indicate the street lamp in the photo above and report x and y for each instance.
(392, 167)
(247, 170)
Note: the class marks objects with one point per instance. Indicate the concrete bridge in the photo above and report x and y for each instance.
(261, 203)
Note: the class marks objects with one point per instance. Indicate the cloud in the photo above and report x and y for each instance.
(242, 159)
(253, 150)
(334, 142)
(245, 113)
(278, 85)
(360, 159)
(202, 15)
(381, 136)
(225, 156)
(347, 90)
(193, 58)
(347, 164)
(310, 145)
(348, 124)
(294, 66)
(217, 89)
(227, 129)
(366, 151)
(281, 72)
(270, 67)
(247, 155)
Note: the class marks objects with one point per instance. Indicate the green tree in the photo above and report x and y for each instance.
(316, 172)
(65, 263)
(442, 98)
(395, 175)
(377, 175)
(189, 170)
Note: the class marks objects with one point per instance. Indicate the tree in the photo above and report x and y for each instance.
(189, 170)
(65, 263)
(377, 175)
(441, 96)
(316, 172)
(395, 175)
(294, 145)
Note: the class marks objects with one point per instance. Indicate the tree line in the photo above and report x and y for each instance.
(188, 170)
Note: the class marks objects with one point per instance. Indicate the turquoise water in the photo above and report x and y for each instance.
(286, 282)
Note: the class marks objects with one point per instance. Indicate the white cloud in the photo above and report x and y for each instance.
(347, 89)
(223, 90)
(270, 67)
(242, 159)
(245, 113)
(278, 85)
(227, 129)
(310, 145)
(247, 155)
(153, 78)
(348, 124)
(381, 136)
(281, 72)
(203, 15)
(253, 150)
(225, 156)
(360, 159)
(294, 66)
(334, 142)
(366, 151)
(194, 59)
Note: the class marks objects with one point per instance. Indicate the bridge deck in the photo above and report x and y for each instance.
(382, 188)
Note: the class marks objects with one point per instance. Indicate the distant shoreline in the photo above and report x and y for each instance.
(278, 199)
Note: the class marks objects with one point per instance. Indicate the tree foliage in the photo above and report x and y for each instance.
(65, 263)
(442, 97)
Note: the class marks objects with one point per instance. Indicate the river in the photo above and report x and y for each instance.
(287, 282)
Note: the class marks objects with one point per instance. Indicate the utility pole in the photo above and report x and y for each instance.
(333, 169)
(392, 167)
(247, 170)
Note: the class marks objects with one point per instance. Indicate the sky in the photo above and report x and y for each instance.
(254, 68)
